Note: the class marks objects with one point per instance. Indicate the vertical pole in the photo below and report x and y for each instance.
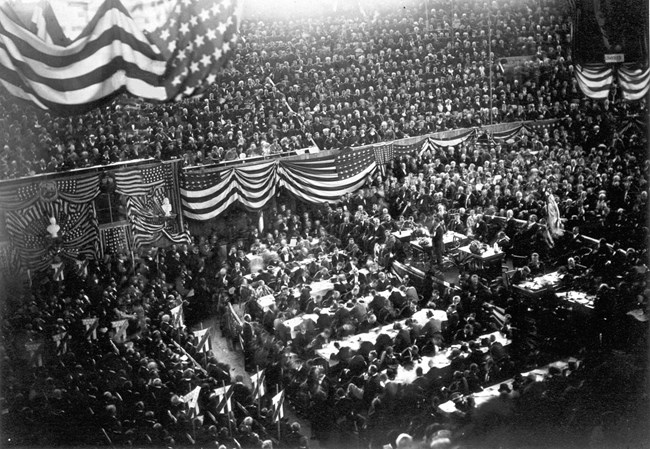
(277, 391)
(259, 398)
(490, 55)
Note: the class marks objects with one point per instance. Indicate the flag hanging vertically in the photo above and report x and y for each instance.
(113, 55)
(277, 406)
(145, 190)
(554, 221)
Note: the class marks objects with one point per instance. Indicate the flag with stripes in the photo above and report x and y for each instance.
(60, 340)
(192, 401)
(225, 399)
(634, 82)
(91, 325)
(81, 189)
(206, 194)
(410, 149)
(318, 179)
(277, 406)
(145, 190)
(594, 81)
(427, 146)
(78, 233)
(203, 340)
(120, 327)
(113, 55)
(258, 380)
(177, 317)
(44, 24)
(451, 138)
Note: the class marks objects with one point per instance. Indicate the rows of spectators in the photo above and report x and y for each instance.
(97, 387)
(338, 82)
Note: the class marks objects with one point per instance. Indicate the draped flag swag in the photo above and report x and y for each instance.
(113, 55)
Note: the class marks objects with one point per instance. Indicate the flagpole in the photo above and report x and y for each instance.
(259, 397)
(225, 396)
(277, 391)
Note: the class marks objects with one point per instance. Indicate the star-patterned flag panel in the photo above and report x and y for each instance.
(350, 163)
(196, 41)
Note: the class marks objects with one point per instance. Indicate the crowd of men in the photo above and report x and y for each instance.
(337, 82)
(334, 82)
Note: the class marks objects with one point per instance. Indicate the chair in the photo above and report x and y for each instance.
(519, 261)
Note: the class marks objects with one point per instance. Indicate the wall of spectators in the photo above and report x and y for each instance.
(342, 78)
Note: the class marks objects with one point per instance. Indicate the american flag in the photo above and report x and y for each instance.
(407, 150)
(192, 401)
(205, 195)
(277, 405)
(81, 189)
(225, 395)
(351, 163)
(145, 189)
(204, 344)
(78, 233)
(113, 55)
(258, 380)
(115, 239)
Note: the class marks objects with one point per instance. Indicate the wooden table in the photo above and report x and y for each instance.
(540, 285)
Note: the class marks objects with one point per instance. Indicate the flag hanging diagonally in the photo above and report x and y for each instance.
(225, 395)
(113, 55)
(258, 380)
(204, 344)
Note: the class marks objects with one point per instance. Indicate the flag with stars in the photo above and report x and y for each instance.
(77, 239)
(196, 41)
(115, 239)
(113, 55)
(145, 190)
(383, 155)
(352, 163)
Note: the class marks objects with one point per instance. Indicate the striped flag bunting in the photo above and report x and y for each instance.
(91, 325)
(634, 83)
(317, 179)
(113, 55)
(452, 138)
(78, 233)
(204, 344)
(594, 81)
(44, 24)
(225, 399)
(120, 327)
(192, 401)
(206, 194)
(145, 190)
(177, 317)
(506, 133)
(35, 351)
(258, 380)
(408, 149)
(115, 239)
(277, 406)
(427, 146)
